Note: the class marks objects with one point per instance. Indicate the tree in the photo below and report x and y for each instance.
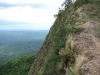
(66, 3)
(81, 2)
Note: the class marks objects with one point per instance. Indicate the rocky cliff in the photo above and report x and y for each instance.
(72, 44)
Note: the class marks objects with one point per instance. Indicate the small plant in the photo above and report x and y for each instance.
(66, 3)
(70, 45)
(70, 72)
(63, 53)
(77, 14)
(73, 44)
(40, 72)
(79, 3)
(79, 61)
(74, 31)
(60, 66)
(97, 30)
(67, 53)
(96, 19)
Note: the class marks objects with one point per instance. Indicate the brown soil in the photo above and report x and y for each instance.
(88, 44)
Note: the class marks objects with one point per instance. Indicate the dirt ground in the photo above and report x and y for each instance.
(88, 43)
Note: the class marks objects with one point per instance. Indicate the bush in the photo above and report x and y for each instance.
(40, 72)
(79, 3)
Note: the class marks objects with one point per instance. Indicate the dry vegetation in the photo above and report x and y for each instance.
(80, 60)
(68, 56)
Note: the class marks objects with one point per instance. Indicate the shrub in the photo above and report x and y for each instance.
(66, 3)
(79, 3)
(40, 72)
(79, 61)
(67, 53)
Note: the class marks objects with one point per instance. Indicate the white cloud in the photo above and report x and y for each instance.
(33, 1)
(35, 17)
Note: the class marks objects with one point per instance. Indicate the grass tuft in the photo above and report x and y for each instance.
(79, 61)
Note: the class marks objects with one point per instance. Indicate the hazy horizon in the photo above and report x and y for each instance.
(24, 30)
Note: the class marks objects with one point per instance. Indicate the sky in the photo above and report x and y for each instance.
(28, 14)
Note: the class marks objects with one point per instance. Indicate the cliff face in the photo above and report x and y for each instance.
(69, 46)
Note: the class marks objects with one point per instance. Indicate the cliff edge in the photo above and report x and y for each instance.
(73, 42)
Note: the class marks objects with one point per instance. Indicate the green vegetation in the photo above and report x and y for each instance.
(79, 3)
(17, 44)
(53, 58)
(19, 67)
(40, 72)
(93, 11)
(66, 3)
(97, 29)
(61, 56)
(59, 41)
(78, 63)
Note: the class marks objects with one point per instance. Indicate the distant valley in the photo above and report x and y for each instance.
(18, 44)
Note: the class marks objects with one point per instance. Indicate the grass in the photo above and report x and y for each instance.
(97, 30)
(75, 69)
(79, 61)
(92, 11)
(70, 45)
(40, 73)
(61, 50)
(67, 53)
(53, 58)
(70, 72)
(96, 19)
(61, 54)
(60, 66)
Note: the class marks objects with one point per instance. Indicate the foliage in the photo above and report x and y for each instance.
(53, 58)
(66, 3)
(74, 31)
(78, 63)
(62, 30)
(67, 54)
(96, 19)
(19, 67)
(92, 10)
(79, 3)
(63, 26)
(97, 30)
(40, 72)
(70, 72)
(16, 44)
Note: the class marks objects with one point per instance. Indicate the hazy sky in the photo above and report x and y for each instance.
(28, 14)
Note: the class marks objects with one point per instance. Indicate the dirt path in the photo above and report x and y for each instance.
(89, 44)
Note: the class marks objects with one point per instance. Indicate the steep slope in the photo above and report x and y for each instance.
(88, 42)
(72, 45)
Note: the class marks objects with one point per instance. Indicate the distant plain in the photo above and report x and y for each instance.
(19, 44)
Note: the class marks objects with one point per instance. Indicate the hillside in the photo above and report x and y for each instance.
(72, 45)
(18, 67)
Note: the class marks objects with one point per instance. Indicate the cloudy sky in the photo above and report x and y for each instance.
(28, 14)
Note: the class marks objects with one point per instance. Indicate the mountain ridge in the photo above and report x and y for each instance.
(64, 51)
